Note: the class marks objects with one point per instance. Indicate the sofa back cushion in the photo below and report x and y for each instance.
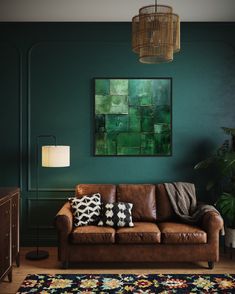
(165, 211)
(107, 191)
(143, 198)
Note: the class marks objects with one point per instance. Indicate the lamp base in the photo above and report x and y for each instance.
(37, 255)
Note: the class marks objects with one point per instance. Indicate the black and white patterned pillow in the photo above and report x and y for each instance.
(86, 210)
(116, 215)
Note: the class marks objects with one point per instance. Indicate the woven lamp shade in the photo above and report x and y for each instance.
(155, 34)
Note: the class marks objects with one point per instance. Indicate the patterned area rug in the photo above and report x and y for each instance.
(128, 283)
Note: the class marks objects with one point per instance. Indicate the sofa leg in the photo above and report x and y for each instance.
(65, 264)
(211, 264)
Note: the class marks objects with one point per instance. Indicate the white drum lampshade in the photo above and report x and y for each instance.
(55, 156)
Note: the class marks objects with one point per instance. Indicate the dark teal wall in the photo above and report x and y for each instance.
(46, 72)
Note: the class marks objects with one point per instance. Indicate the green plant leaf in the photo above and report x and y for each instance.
(204, 163)
(223, 149)
(228, 166)
(226, 205)
(229, 131)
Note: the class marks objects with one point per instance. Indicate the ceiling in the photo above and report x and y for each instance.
(110, 10)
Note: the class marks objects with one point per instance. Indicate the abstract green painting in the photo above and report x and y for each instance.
(133, 117)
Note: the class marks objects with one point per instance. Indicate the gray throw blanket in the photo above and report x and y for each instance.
(183, 199)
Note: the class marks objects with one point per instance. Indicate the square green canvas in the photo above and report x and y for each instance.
(133, 117)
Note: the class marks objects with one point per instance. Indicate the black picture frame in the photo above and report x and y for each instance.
(132, 116)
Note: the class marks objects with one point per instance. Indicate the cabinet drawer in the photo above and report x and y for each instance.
(15, 248)
(15, 208)
(5, 216)
(7, 255)
(14, 224)
(5, 239)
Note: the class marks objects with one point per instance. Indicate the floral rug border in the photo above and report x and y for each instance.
(128, 283)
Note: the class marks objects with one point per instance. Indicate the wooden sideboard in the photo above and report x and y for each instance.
(9, 230)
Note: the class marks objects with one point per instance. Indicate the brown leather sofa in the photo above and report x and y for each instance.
(156, 237)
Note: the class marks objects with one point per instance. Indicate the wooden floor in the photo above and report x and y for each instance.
(52, 266)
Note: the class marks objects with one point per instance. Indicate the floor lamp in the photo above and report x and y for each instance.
(52, 156)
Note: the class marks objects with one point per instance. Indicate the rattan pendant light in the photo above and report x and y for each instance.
(156, 34)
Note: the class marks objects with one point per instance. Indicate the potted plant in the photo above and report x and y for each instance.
(223, 161)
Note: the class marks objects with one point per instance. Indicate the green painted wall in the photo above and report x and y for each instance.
(46, 72)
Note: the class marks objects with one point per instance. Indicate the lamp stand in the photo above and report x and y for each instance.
(38, 254)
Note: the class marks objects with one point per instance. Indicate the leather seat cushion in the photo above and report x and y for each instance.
(142, 232)
(92, 235)
(178, 233)
(143, 198)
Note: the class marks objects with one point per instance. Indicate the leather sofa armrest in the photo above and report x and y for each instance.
(64, 219)
(212, 223)
(64, 226)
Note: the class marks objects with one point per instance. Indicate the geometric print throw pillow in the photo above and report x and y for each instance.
(116, 215)
(86, 210)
